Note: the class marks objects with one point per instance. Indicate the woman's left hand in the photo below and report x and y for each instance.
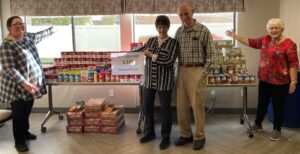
(292, 87)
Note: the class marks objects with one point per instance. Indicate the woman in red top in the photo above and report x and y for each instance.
(277, 72)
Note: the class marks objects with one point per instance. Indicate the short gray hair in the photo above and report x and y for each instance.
(275, 21)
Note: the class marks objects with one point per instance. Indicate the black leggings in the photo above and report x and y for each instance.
(20, 118)
(278, 93)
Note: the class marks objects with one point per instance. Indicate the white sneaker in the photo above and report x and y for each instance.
(275, 135)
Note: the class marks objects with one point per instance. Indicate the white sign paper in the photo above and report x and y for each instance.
(127, 63)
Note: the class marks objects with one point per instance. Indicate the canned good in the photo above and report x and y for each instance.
(234, 79)
(247, 79)
(60, 78)
(217, 79)
(217, 69)
(230, 69)
(252, 79)
(71, 77)
(222, 79)
(211, 79)
(228, 79)
(96, 77)
(66, 78)
(90, 75)
(77, 77)
(241, 79)
(108, 77)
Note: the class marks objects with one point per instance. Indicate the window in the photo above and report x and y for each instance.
(97, 33)
(217, 23)
(61, 40)
(103, 32)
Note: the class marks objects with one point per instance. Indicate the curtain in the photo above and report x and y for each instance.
(65, 7)
(170, 6)
(105, 7)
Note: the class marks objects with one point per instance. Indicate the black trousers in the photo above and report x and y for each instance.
(20, 118)
(278, 93)
(165, 113)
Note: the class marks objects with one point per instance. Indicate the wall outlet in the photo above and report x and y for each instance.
(111, 93)
(213, 93)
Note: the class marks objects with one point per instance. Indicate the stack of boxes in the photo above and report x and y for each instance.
(92, 118)
(75, 122)
(97, 117)
(112, 121)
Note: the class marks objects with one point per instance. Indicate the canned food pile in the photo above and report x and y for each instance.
(85, 67)
(229, 67)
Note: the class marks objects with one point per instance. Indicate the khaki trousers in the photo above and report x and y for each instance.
(191, 91)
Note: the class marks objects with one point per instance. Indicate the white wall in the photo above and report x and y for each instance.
(250, 23)
(5, 14)
(289, 13)
(66, 96)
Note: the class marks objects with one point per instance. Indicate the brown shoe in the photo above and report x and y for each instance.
(183, 140)
(198, 144)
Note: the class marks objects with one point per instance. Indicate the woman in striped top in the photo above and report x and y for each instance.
(161, 53)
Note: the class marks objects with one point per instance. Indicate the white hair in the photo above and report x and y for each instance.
(275, 21)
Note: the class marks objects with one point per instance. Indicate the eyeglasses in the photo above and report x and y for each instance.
(18, 24)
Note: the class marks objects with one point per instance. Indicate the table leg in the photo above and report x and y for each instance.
(244, 117)
(50, 112)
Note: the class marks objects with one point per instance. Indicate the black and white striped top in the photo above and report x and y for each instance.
(159, 75)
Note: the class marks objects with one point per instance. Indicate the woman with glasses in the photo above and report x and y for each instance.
(277, 72)
(21, 76)
(161, 53)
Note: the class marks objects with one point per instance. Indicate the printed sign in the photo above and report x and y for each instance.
(127, 63)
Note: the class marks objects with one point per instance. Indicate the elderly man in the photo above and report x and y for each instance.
(196, 52)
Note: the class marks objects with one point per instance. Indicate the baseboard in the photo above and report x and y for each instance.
(157, 109)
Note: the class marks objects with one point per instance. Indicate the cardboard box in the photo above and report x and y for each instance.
(113, 130)
(92, 122)
(75, 115)
(75, 122)
(95, 104)
(92, 115)
(75, 118)
(92, 129)
(112, 122)
(114, 114)
(74, 129)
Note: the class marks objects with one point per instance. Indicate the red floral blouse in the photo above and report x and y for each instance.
(275, 59)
